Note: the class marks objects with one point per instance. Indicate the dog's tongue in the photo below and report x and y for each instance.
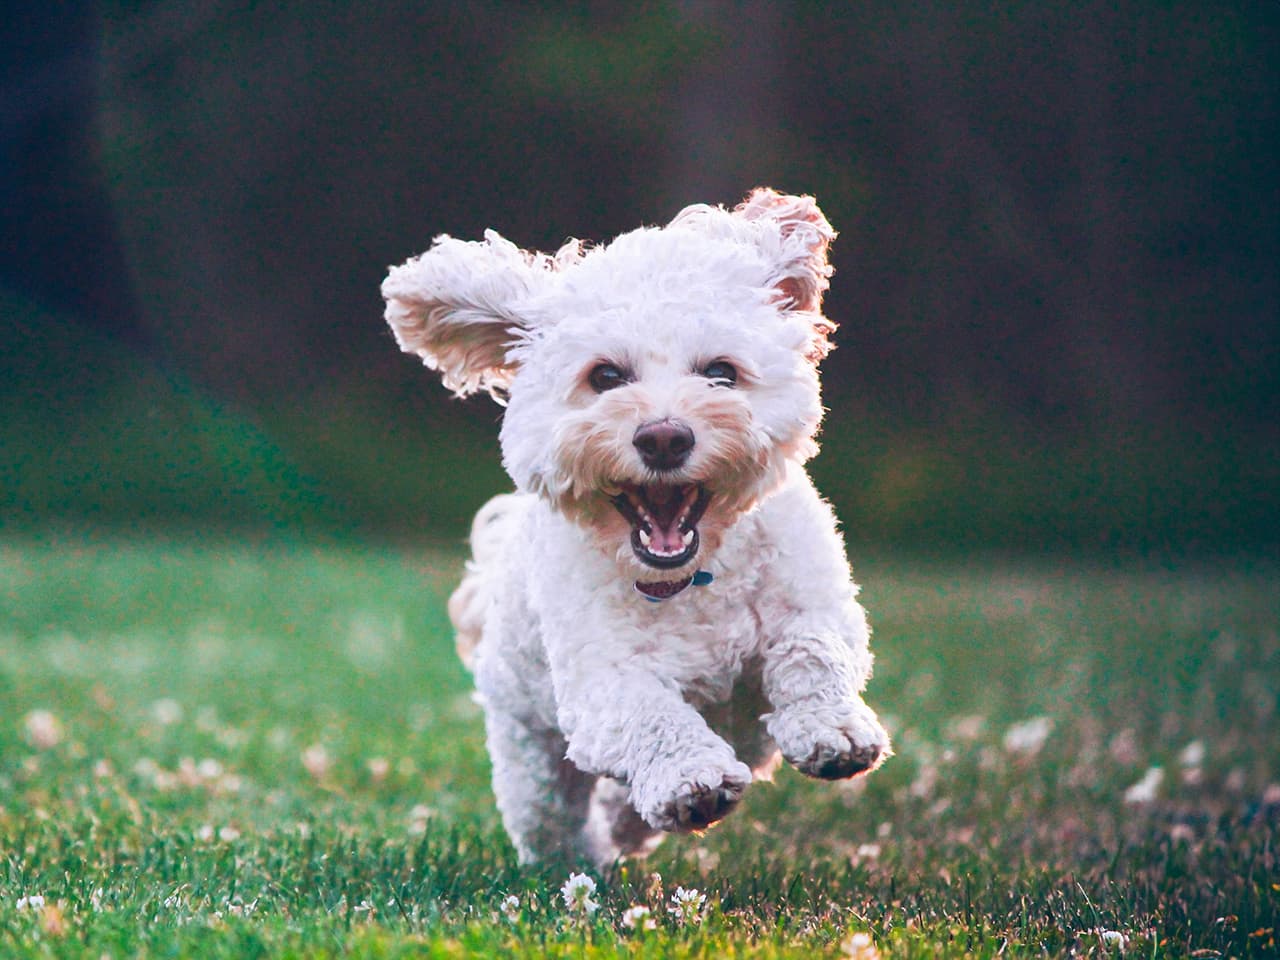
(665, 536)
(666, 507)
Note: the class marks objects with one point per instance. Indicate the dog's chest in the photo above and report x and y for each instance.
(703, 642)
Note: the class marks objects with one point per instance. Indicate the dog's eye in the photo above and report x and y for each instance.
(605, 376)
(722, 372)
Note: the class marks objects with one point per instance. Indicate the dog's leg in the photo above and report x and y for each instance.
(637, 729)
(542, 797)
(614, 828)
(738, 721)
(819, 721)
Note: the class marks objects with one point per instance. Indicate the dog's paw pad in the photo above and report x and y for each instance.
(697, 800)
(833, 742)
(699, 807)
(840, 765)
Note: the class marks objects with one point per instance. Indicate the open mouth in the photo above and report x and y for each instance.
(664, 521)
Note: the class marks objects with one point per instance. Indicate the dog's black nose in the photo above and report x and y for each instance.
(663, 445)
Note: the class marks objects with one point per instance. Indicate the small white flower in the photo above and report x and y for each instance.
(1144, 791)
(1028, 737)
(577, 891)
(317, 761)
(967, 728)
(230, 783)
(860, 946)
(186, 773)
(1193, 754)
(240, 909)
(686, 905)
(378, 768)
(146, 769)
(33, 901)
(208, 769)
(228, 834)
(510, 907)
(43, 729)
(866, 851)
(166, 712)
(1113, 940)
(419, 817)
(205, 832)
(638, 917)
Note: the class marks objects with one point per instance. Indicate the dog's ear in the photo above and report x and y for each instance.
(797, 238)
(459, 307)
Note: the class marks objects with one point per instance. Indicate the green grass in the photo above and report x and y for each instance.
(217, 750)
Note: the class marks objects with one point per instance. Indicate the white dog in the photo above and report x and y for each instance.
(664, 604)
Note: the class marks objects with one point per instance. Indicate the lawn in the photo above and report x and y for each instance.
(216, 749)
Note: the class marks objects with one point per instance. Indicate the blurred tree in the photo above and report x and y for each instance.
(58, 235)
(1051, 213)
(1058, 220)
(1059, 197)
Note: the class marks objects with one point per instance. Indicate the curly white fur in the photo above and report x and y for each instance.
(610, 717)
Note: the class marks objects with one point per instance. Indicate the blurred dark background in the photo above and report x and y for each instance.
(1056, 276)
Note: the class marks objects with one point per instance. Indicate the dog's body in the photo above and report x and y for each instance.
(665, 604)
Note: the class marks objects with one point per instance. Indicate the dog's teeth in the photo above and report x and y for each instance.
(644, 538)
(688, 537)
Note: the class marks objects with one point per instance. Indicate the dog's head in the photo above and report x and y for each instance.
(657, 387)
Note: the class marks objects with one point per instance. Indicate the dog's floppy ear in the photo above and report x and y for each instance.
(458, 306)
(802, 272)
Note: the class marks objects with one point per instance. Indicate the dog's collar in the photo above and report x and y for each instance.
(666, 589)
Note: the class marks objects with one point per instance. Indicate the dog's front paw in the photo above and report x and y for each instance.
(693, 799)
(831, 741)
